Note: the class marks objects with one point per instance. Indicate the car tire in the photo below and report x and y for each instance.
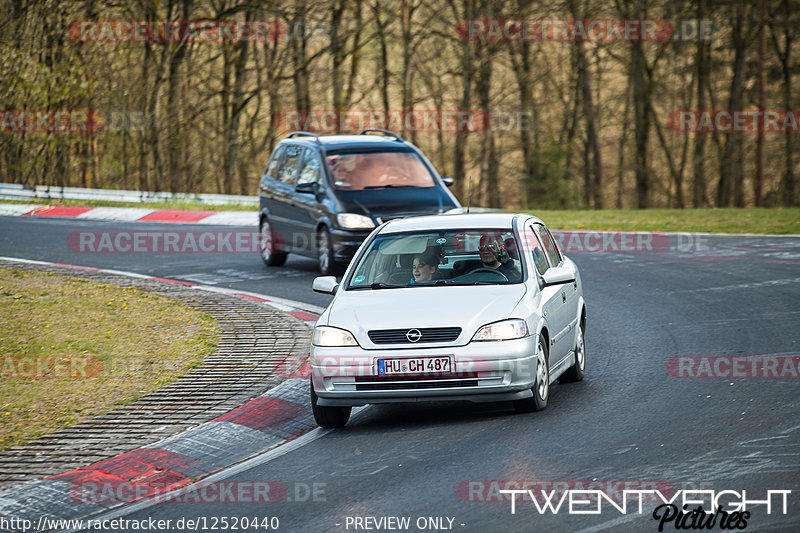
(541, 389)
(328, 416)
(267, 243)
(576, 372)
(327, 263)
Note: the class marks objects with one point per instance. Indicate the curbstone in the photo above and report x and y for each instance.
(233, 406)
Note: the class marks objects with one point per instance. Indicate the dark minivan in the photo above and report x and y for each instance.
(320, 196)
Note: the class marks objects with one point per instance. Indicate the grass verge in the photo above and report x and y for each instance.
(72, 348)
(777, 220)
(774, 220)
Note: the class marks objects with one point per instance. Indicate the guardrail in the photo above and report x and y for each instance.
(14, 191)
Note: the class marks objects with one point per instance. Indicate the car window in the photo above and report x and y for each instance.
(373, 170)
(290, 162)
(534, 248)
(438, 258)
(274, 162)
(549, 244)
(309, 172)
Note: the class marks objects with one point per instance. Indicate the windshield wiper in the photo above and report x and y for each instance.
(375, 286)
(469, 283)
(387, 186)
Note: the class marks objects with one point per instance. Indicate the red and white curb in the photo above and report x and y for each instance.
(279, 415)
(134, 214)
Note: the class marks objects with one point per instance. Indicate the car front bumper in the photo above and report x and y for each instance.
(482, 372)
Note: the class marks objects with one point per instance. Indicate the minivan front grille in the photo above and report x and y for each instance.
(402, 336)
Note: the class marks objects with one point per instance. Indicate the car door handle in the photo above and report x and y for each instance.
(564, 297)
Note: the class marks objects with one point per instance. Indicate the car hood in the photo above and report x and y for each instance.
(468, 307)
(385, 204)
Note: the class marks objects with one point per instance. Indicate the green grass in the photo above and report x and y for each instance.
(777, 220)
(72, 348)
(183, 205)
(774, 220)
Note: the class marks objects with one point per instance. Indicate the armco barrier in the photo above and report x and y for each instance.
(14, 191)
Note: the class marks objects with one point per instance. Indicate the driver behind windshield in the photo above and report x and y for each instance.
(494, 255)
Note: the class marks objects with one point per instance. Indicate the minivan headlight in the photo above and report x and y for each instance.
(353, 221)
(502, 331)
(329, 336)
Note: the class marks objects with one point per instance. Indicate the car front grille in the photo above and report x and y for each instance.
(410, 385)
(400, 336)
(419, 382)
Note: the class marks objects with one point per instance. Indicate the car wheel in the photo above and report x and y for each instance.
(268, 244)
(327, 264)
(577, 371)
(327, 416)
(541, 389)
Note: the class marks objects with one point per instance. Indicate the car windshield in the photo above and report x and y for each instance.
(377, 170)
(439, 259)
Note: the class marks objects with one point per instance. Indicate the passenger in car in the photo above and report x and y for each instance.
(426, 266)
(495, 256)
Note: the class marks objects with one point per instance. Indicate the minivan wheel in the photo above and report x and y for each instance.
(577, 370)
(540, 389)
(328, 416)
(268, 253)
(327, 265)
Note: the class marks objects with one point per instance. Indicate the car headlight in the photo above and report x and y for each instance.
(329, 336)
(353, 221)
(502, 331)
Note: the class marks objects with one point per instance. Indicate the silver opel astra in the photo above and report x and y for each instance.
(480, 307)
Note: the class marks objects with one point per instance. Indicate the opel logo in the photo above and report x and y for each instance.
(413, 335)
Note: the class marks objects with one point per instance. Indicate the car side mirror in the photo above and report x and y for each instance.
(306, 187)
(448, 181)
(557, 276)
(325, 285)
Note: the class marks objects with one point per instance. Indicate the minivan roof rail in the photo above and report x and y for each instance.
(385, 132)
(303, 134)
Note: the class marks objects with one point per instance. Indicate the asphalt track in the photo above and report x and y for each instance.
(635, 421)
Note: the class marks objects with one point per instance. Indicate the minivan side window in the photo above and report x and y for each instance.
(309, 172)
(549, 244)
(272, 166)
(290, 162)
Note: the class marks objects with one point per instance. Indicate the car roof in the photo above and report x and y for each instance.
(336, 142)
(459, 221)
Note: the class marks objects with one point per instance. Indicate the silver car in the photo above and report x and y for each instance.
(480, 307)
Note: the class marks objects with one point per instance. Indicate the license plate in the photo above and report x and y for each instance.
(419, 365)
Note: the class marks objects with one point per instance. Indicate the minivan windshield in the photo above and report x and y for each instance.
(438, 259)
(377, 170)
